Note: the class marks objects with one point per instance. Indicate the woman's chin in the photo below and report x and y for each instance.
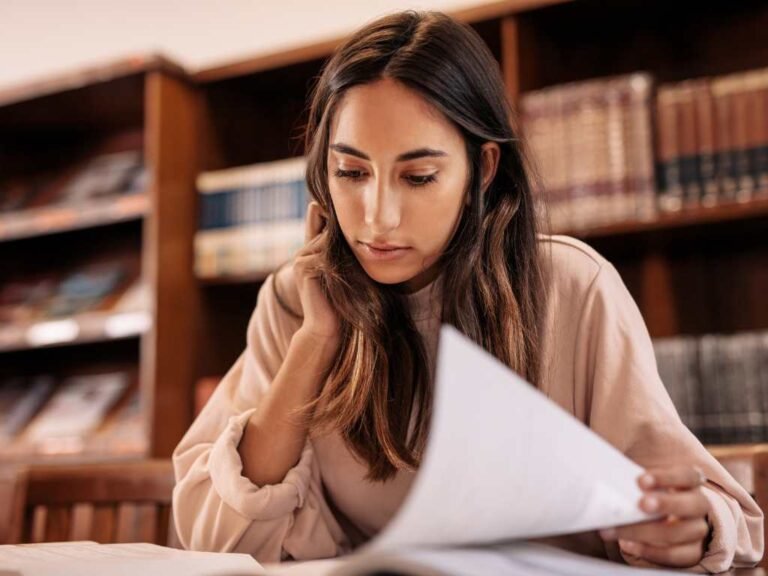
(388, 275)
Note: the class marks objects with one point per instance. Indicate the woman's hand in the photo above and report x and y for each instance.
(679, 538)
(320, 321)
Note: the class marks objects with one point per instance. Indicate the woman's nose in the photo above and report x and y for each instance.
(382, 209)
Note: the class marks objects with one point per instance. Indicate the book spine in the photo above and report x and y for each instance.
(618, 201)
(689, 170)
(745, 183)
(759, 114)
(705, 129)
(726, 169)
(639, 142)
(668, 151)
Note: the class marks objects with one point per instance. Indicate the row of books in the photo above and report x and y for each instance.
(713, 140)
(592, 148)
(90, 300)
(99, 413)
(251, 217)
(100, 176)
(616, 149)
(719, 384)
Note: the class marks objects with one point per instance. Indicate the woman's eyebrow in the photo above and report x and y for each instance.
(412, 155)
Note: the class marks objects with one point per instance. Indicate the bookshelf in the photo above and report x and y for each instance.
(67, 232)
(698, 271)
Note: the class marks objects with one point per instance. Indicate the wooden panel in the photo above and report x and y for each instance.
(150, 481)
(12, 496)
(57, 524)
(169, 350)
(165, 531)
(518, 56)
(761, 492)
(104, 519)
(127, 516)
(36, 518)
(81, 522)
(146, 524)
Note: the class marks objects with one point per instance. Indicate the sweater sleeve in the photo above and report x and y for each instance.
(215, 507)
(628, 405)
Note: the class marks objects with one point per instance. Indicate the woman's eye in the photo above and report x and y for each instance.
(351, 174)
(421, 180)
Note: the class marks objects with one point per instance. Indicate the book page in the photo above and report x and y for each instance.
(511, 559)
(92, 559)
(504, 462)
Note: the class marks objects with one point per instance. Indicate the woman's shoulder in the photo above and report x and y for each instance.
(569, 262)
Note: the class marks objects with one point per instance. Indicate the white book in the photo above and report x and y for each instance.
(92, 559)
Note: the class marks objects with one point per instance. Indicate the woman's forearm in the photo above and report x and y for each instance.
(273, 441)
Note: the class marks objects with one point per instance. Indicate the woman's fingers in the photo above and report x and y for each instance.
(674, 477)
(684, 504)
(682, 556)
(661, 532)
(315, 222)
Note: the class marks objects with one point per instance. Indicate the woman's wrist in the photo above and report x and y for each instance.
(314, 345)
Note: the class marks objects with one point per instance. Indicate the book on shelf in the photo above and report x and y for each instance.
(719, 384)
(713, 140)
(592, 148)
(100, 176)
(20, 399)
(123, 428)
(106, 175)
(251, 217)
(87, 300)
(76, 408)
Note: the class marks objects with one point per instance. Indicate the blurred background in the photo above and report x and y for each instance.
(151, 177)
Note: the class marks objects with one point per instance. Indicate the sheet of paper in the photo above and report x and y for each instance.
(92, 559)
(518, 559)
(505, 462)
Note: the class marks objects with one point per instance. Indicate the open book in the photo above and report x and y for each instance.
(503, 464)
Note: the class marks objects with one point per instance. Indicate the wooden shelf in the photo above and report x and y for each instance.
(65, 217)
(9, 457)
(89, 76)
(80, 329)
(689, 217)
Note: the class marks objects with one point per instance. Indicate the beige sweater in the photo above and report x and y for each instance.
(598, 364)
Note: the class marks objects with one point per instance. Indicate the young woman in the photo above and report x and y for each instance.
(423, 213)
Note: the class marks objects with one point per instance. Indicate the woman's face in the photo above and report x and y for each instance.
(398, 172)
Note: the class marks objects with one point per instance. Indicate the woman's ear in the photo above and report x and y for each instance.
(489, 162)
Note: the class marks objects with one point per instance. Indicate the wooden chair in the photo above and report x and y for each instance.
(107, 503)
(10, 485)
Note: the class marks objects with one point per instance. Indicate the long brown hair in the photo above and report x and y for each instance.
(492, 282)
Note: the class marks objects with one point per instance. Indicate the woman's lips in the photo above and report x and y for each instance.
(384, 251)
